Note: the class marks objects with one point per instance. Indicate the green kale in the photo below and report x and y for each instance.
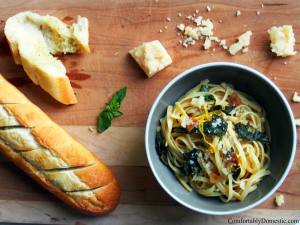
(249, 133)
(191, 165)
(209, 98)
(227, 110)
(160, 146)
(182, 130)
(204, 88)
(217, 126)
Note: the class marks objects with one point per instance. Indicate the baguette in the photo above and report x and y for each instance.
(33, 142)
(34, 39)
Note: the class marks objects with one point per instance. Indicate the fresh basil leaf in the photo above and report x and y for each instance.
(119, 96)
(104, 121)
(111, 110)
(117, 114)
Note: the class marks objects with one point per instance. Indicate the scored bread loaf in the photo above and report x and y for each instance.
(33, 142)
(34, 39)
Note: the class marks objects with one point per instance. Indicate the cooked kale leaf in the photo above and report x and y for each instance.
(191, 165)
(204, 88)
(182, 130)
(160, 146)
(227, 110)
(249, 133)
(217, 126)
(209, 98)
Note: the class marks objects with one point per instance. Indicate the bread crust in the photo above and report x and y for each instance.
(79, 179)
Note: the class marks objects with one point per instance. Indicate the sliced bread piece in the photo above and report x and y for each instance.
(34, 39)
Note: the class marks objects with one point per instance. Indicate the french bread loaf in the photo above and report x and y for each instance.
(34, 40)
(32, 141)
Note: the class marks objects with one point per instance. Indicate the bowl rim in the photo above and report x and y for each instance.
(186, 73)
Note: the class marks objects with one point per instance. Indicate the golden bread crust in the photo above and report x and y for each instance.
(53, 158)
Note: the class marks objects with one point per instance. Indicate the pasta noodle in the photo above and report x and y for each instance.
(216, 141)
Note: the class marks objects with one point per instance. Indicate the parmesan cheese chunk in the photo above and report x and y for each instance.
(279, 200)
(296, 97)
(297, 121)
(282, 40)
(243, 41)
(207, 43)
(152, 57)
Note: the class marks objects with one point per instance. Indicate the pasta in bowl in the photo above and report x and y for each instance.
(220, 131)
(214, 139)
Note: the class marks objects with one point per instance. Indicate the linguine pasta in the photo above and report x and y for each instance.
(215, 140)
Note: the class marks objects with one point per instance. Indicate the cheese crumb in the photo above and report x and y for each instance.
(279, 200)
(152, 57)
(282, 40)
(238, 13)
(296, 97)
(208, 8)
(91, 129)
(160, 31)
(179, 14)
(245, 50)
(198, 21)
(222, 42)
(243, 41)
(181, 27)
(262, 5)
(214, 38)
(285, 63)
(168, 19)
(207, 43)
(297, 121)
(258, 13)
(188, 41)
(192, 32)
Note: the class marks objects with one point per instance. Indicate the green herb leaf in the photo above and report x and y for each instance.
(249, 133)
(111, 110)
(119, 96)
(217, 126)
(209, 98)
(117, 114)
(227, 110)
(104, 121)
(204, 88)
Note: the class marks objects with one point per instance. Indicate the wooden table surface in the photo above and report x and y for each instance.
(115, 27)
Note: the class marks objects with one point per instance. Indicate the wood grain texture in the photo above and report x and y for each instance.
(116, 26)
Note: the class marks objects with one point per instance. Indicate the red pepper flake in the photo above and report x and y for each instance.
(234, 159)
(234, 99)
(192, 125)
(215, 177)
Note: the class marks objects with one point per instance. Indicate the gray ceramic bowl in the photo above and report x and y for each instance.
(279, 115)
